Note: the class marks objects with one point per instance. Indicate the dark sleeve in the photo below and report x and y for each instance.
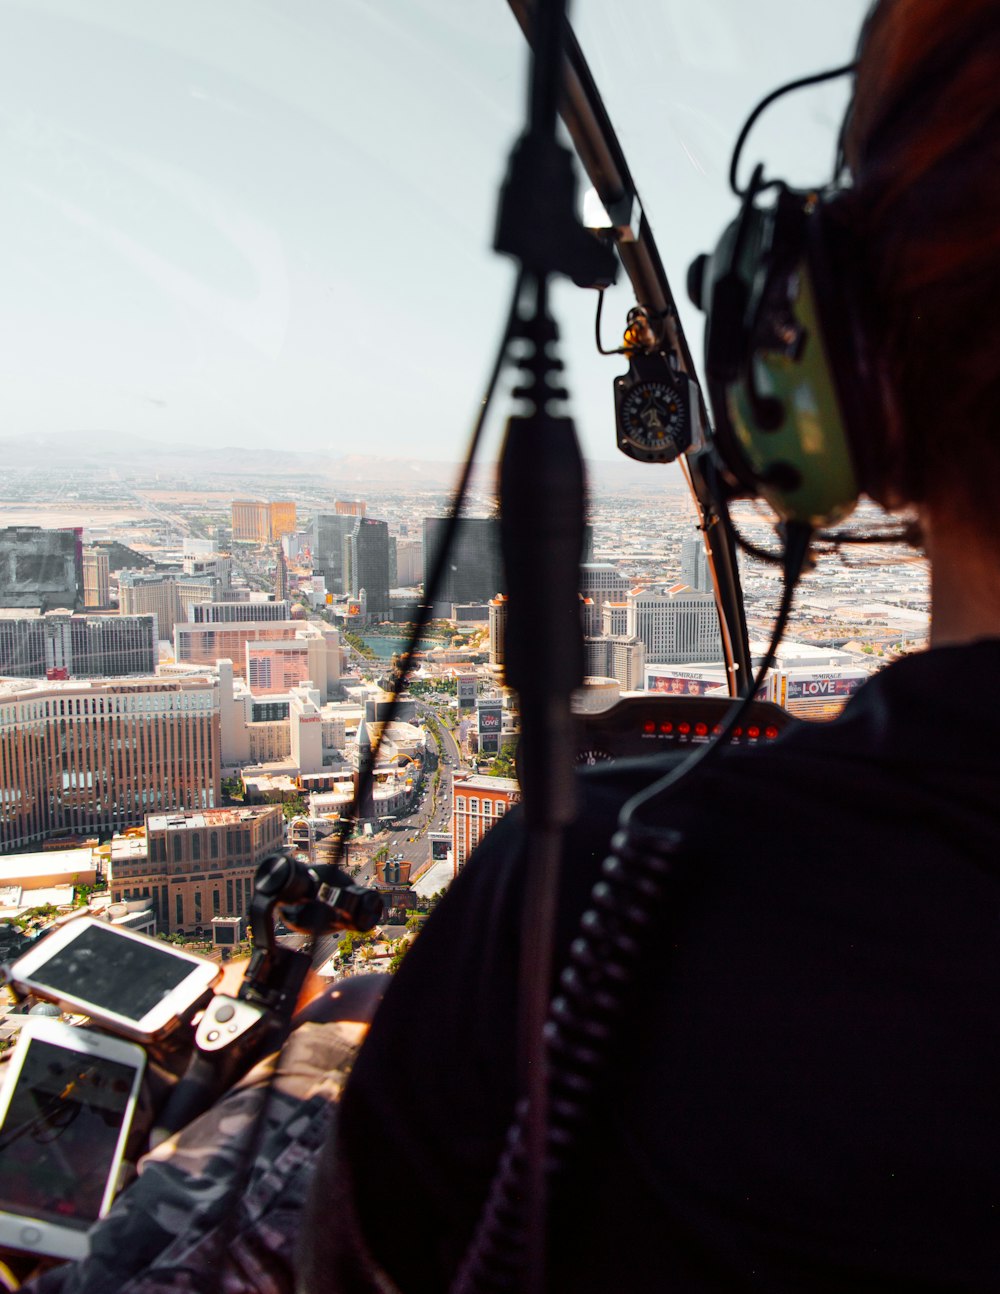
(432, 1093)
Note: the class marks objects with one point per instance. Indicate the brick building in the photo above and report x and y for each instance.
(477, 803)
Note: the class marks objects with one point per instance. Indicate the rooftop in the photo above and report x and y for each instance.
(204, 818)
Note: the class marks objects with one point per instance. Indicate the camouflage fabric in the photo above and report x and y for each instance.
(171, 1231)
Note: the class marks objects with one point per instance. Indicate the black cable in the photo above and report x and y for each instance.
(816, 79)
(798, 535)
(594, 986)
(404, 667)
(615, 350)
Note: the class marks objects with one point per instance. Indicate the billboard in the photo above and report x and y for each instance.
(467, 689)
(440, 846)
(490, 718)
(820, 686)
(683, 686)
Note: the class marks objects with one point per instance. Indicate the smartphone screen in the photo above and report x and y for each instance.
(60, 1135)
(125, 976)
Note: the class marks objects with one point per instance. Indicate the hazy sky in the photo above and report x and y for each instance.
(242, 221)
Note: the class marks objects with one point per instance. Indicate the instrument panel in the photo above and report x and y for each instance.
(655, 724)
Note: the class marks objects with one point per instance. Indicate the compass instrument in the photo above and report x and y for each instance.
(656, 404)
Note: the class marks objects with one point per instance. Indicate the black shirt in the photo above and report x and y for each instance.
(806, 1095)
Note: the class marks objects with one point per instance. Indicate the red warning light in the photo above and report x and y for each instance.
(753, 733)
(649, 726)
(666, 727)
(771, 732)
(700, 729)
(684, 729)
(737, 732)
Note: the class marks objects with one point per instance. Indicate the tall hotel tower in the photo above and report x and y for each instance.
(90, 758)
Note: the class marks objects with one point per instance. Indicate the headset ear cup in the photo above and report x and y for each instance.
(843, 303)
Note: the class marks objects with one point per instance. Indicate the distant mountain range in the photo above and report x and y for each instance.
(137, 458)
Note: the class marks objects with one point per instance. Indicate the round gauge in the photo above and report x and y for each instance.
(593, 755)
(652, 417)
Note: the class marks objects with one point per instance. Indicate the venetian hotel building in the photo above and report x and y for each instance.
(93, 757)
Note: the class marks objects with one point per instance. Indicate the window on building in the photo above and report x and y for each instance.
(197, 907)
(196, 847)
(213, 844)
(179, 903)
(216, 903)
(229, 898)
(177, 849)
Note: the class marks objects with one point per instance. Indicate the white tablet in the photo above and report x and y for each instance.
(134, 985)
(66, 1107)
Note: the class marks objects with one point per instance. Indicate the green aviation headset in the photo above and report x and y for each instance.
(789, 370)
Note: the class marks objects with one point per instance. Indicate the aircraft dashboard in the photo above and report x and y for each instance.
(656, 724)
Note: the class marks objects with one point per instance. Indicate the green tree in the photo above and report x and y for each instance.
(503, 764)
(233, 788)
(295, 808)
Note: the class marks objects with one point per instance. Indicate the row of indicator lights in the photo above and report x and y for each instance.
(700, 729)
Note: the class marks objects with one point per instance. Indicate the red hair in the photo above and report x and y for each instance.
(923, 143)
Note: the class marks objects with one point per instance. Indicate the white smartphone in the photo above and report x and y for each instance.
(66, 1107)
(134, 985)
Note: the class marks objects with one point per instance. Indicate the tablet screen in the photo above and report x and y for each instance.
(60, 1133)
(126, 976)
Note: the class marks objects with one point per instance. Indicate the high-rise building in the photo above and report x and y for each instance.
(41, 568)
(196, 590)
(349, 507)
(280, 575)
(600, 582)
(251, 521)
(204, 644)
(217, 566)
(614, 618)
(155, 594)
(409, 562)
(312, 656)
(367, 565)
(281, 519)
(498, 632)
(73, 645)
(628, 659)
(96, 579)
(675, 625)
(257, 522)
(619, 657)
(196, 865)
(93, 757)
(477, 804)
(474, 569)
(329, 534)
(168, 595)
(694, 565)
(393, 565)
(214, 613)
